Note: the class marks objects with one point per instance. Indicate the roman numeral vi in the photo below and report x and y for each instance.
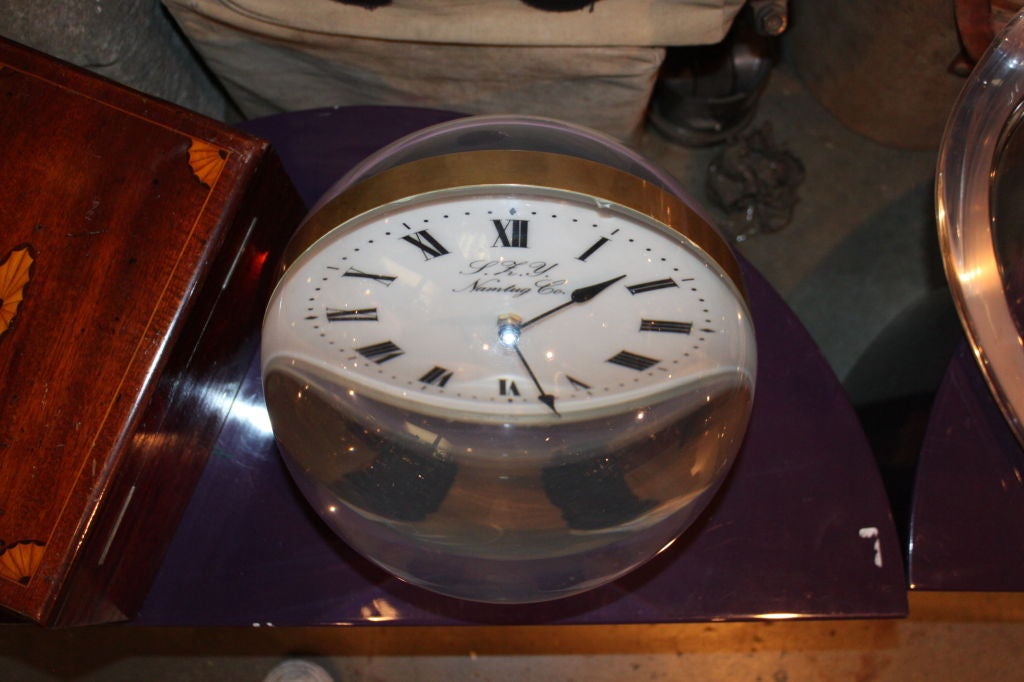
(506, 387)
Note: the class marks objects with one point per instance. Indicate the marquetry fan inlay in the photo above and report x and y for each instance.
(19, 560)
(206, 161)
(15, 273)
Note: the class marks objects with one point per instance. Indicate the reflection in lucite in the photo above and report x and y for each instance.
(1008, 214)
(517, 515)
(978, 214)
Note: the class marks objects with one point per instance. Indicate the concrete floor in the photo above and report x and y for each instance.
(859, 252)
(863, 231)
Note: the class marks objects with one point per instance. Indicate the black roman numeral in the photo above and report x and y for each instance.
(577, 384)
(666, 326)
(380, 352)
(633, 361)
(438, 376)
(506, 387)
(593, 247)
(386, 280)
(651, 286)
(359, 315)
(426, 243)
(511, 232)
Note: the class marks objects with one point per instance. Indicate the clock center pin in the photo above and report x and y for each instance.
(509, 329)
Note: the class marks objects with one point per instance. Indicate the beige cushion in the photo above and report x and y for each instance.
(594, 66)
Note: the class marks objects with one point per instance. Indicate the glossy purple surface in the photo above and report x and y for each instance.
(801, 528)
(967, 531)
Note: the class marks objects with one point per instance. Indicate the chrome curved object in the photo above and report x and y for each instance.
(979, 179)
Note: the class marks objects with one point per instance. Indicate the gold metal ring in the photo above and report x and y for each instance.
(494, 168)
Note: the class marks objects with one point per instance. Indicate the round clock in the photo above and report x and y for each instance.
(506, 362)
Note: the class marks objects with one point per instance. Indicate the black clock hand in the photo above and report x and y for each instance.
(581, 295)
(545, 398)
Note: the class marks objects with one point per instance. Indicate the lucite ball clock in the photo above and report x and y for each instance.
(506, 361)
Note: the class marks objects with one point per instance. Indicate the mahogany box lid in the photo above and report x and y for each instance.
(133, 242)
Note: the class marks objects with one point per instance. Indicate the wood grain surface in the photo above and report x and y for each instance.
(148, 226)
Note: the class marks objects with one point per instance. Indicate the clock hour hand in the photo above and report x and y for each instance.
(580, 295)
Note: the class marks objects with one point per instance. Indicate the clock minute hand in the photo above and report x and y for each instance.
(580, 295)
(545, 398)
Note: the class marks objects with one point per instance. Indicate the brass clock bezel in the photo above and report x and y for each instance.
(492, 168)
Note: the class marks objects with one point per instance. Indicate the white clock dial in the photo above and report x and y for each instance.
(465, 303)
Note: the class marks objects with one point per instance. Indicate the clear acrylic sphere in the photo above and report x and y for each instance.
(501, 420)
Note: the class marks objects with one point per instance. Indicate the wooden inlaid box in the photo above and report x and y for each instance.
(134, 243)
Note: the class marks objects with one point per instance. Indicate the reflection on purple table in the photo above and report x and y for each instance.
(967, 531)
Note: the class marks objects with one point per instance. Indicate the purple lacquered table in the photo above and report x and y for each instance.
(801, 528)
(967, 531)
